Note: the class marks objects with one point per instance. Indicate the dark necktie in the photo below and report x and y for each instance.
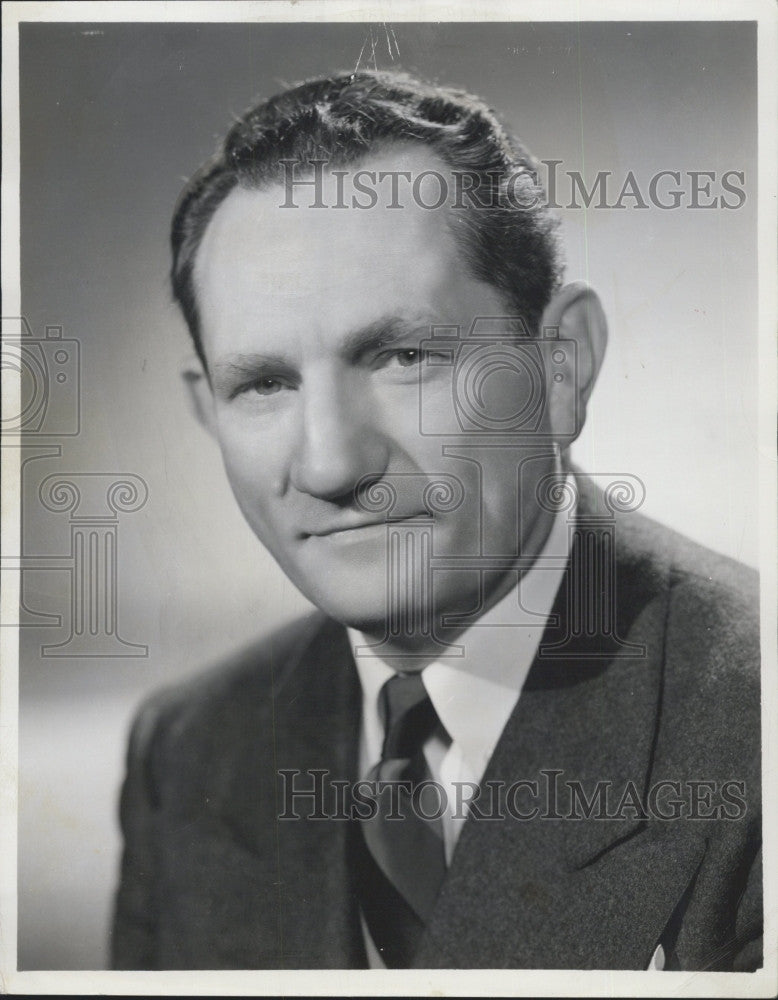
(401, 860)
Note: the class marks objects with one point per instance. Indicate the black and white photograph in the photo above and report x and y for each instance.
(389, 502)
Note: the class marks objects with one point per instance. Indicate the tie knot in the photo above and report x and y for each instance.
(407, 713)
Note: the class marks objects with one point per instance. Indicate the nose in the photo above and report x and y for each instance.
(339, 441)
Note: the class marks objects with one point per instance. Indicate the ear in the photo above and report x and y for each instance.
(199, 392)
(576, 313)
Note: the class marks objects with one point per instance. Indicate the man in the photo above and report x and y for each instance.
(559, 696)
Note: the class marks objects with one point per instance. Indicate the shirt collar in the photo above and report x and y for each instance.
(474, 694)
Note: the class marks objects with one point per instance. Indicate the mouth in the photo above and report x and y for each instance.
(348, 530)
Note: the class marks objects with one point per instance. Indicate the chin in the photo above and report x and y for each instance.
(353, 602)
(364, 616)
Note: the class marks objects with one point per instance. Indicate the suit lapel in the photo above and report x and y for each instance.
(317, 728)
(524, 893)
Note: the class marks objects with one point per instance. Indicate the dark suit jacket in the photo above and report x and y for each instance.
(212, 878)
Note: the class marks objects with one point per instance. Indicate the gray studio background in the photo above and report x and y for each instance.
(114, 117)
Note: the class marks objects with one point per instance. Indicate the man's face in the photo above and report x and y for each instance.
(311, 323)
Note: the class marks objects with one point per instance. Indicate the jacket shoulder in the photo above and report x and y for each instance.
(242, 683)
(711, 597)
(713, 610)
(711, 696)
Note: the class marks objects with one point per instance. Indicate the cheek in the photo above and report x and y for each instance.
(499, 500)
(509, 502)
(254, 470)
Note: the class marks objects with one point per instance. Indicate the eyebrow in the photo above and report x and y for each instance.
(241, 367)
(383, 332)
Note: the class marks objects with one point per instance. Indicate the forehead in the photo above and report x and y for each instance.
(316, 273)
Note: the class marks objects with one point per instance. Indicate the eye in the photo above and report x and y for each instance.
(265, 386)
(411, 357)
(408, 358)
